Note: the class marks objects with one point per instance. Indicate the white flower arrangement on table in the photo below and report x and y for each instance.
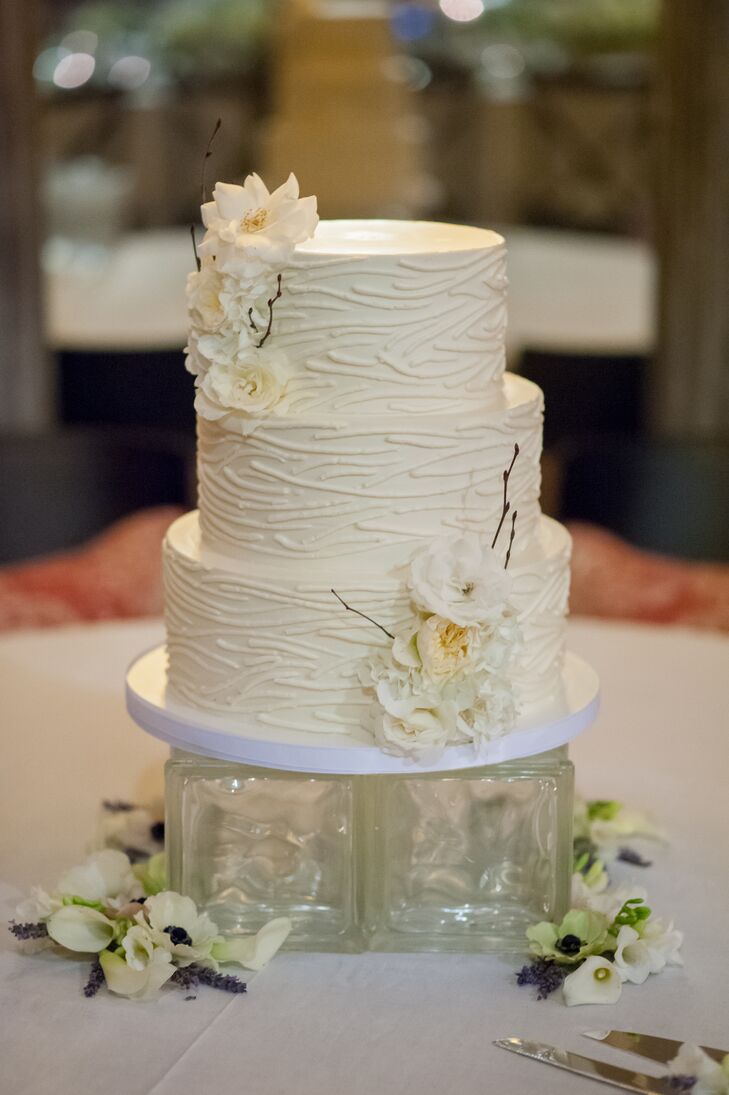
(694, 1070)
(609, 936)
(140, 934)
(446, 677)
(250, 237)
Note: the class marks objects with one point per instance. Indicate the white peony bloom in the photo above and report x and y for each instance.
(138, 984)
(248, 227)
(460, 578)
(632, 959)
(596, 981)
(662, 943)
(105, 874)
(255, 951)
(138, 945)
(81, 928)
(178, 927)
(204, 304)
(445, 648)
(712, 1077)
(255, 384)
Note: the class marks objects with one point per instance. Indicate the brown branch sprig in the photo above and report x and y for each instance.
(511, 537)
(272, 300)
(362, 614)
(206, 157)
(506, 506)
(251, 320)
(198, 264)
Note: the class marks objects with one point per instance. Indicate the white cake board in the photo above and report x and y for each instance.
(230, 738)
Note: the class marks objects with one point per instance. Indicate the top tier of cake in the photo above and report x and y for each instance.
(393, 317)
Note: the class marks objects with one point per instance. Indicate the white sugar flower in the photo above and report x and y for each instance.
(445, 648)
(138, 984)
(204, 304)
(422, 731)
(662, 942)
(255, 951)
(632, 958)
(105, 874)
(178, 927)
(712, 1077)
(248, 227)
(81, 928)
(596, 981)
(255, 384)
(460, 578)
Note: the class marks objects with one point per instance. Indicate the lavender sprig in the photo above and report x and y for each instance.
(629, 855)
(546, 976)
(28, 931)
(191, 976)
(96, 979)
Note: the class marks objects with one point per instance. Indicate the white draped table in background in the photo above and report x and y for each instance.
(368, 1024)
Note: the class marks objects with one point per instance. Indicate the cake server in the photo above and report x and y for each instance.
(648, 1045)
(623, 1078)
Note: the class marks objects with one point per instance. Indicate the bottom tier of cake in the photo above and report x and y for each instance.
(243, 639)
(441, 861)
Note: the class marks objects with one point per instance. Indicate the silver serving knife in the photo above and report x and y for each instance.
(647, 1045)
(586, 1066)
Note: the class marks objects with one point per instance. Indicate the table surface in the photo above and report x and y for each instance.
(355, 1024)
(568, 291)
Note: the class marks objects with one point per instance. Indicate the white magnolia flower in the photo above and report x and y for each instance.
(461, 578)
(178, 927)
(104, 875)
(248, 227)
(596, 981)
(139, 984)
(254, 384)
(712, 1077)
(204, 289)
(80, 928)
(662, 943)
(254, 951)
(632, 959)
(612, 900)
(138, 945)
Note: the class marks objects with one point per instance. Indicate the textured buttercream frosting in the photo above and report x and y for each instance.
(398, 424)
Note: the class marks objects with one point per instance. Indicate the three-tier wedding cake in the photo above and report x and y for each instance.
(369, 554)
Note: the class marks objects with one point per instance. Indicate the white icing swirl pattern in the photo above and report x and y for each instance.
(280, 651)
(293, 490)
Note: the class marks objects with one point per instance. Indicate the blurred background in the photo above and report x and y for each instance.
(593, 133)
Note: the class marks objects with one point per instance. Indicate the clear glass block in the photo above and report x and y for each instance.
(461, 861)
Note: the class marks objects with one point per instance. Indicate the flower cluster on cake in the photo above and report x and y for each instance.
(357, 450)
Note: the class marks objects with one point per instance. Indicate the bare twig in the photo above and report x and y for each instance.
(362, 614)
(506, 505)
(511, 537)
(206, 157)
(194, 247)
(271, 302)
(251, 320)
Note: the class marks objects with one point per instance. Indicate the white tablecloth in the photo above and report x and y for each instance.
(363, 1024)
(568, 291)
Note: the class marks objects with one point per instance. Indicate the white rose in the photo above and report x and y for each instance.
(255, 384)
(204, 288)
(420, 731)
(444, 647)
(460, 578)
(247, 226)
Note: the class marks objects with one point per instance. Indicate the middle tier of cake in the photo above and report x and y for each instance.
(367, 487)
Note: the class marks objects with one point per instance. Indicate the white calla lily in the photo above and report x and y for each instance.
(104, 874)
(80, 928)
(632, 958)
(254, 951)
(138, 984)
(596, 981)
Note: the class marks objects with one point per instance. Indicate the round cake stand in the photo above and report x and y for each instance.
(230, 738)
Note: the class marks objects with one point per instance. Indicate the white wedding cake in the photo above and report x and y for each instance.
(369, 554)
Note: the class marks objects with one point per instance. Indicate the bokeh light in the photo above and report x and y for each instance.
(129, 73)
(73, 70)
(462, 11)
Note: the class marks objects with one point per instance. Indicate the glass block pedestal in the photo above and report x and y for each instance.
(461, 860)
